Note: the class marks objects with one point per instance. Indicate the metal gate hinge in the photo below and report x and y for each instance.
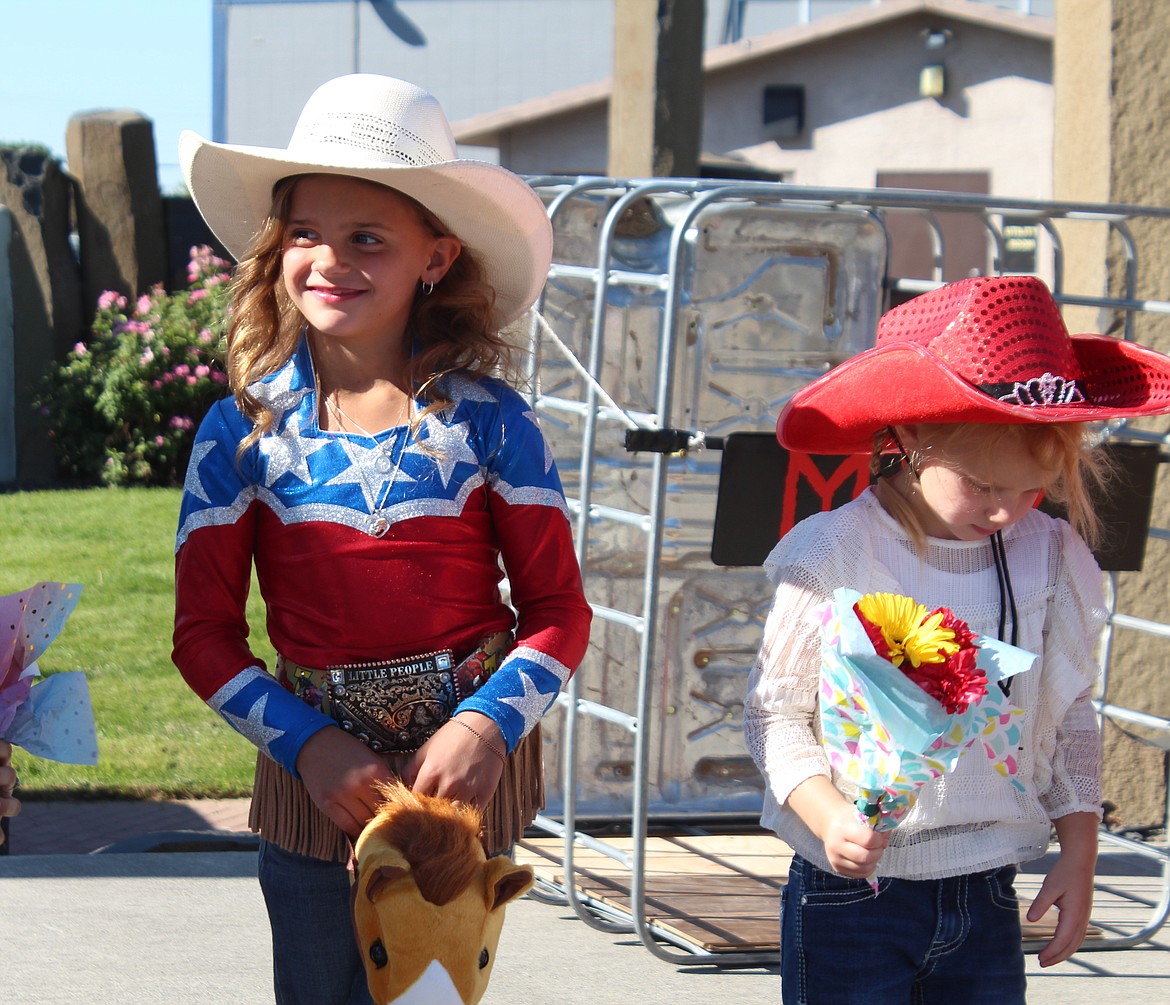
(669, 441)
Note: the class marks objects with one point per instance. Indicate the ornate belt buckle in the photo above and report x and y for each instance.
(393, 706)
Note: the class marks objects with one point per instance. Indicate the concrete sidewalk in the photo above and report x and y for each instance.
(190, 926)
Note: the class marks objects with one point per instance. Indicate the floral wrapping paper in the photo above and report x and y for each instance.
(890, 737)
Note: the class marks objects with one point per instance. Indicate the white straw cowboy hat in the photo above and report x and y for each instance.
(396, 134)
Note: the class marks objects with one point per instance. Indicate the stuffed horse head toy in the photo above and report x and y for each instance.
(428, 904)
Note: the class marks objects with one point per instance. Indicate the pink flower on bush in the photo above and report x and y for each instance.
(195, 296)
(111, 298)
(135, 328)
(143, 306)
(159, 441)
(202, 370)
(146, 358)
(181, 422)
(80, 349)
(205, 336)
(204, 261)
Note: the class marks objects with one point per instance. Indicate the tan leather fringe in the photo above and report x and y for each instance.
(519, 797)
(283, 813)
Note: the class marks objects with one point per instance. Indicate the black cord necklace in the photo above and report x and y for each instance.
(1007, 598)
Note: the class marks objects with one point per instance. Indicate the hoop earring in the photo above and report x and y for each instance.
(427, 288)
(912, 459)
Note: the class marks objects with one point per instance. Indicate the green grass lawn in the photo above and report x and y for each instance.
(156, 739)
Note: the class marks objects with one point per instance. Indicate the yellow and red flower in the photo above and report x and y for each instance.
(935, 649)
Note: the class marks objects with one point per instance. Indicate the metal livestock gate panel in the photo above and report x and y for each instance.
(680, 312)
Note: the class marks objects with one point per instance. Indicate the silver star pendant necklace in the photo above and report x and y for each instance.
(384, 464)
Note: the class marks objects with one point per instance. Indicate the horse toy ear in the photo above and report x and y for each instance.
(428, 905)
(506, 881)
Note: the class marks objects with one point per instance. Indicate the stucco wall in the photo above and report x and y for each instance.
(863, 113)
(572, 144)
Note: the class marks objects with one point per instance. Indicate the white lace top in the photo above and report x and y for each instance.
(972, 819)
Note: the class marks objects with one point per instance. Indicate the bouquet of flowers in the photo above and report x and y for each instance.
(54, 718)
(906, 692)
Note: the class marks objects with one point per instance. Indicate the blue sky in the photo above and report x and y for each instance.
(61, 57)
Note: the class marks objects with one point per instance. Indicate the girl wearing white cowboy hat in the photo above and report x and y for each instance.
(376, 473)
(972, 404)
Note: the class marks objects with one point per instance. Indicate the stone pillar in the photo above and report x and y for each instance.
(45, 289)
(1112, 90)
(656, 108)
(120, 214)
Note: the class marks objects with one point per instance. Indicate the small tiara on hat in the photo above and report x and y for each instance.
(393, 133)
(989, 349)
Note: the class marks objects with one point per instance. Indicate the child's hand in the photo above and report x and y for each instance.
(456, 764)
(1069, 887)
(851, 845)
(9, 806)
(340, 773)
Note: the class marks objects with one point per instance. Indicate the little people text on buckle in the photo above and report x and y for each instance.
(393, 705)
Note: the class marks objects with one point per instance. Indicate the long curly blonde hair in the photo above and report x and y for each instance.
(450, 329)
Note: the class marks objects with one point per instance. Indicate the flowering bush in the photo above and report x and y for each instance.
(124, 406)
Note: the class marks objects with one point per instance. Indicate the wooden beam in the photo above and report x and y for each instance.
(656, 110)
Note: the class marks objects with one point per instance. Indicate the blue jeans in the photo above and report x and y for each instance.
(315, 957)
(949, 941)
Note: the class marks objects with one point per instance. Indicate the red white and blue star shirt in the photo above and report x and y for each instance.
(473, 487)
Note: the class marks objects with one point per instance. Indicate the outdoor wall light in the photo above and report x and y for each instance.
(936, 39)
(932, 78)
(932, 81)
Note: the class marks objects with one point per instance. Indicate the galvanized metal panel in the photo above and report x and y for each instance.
(769, 296)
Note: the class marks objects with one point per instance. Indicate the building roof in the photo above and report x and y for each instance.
(487, 129)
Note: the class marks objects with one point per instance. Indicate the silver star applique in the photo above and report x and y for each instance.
(446, 446)
(253, 727)
(278, 394)
(462, 389)
(532, 704)
(289, 453)
(363, 472)
(193, 484)
(548, 457)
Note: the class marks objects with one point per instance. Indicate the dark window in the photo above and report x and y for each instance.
(784, 109)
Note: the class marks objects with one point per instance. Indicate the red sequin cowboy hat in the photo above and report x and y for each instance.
(989, 349)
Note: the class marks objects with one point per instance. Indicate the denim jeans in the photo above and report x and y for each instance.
(952, 941)
(315, 957)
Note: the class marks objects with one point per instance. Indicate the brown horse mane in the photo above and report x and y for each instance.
(439, 839)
